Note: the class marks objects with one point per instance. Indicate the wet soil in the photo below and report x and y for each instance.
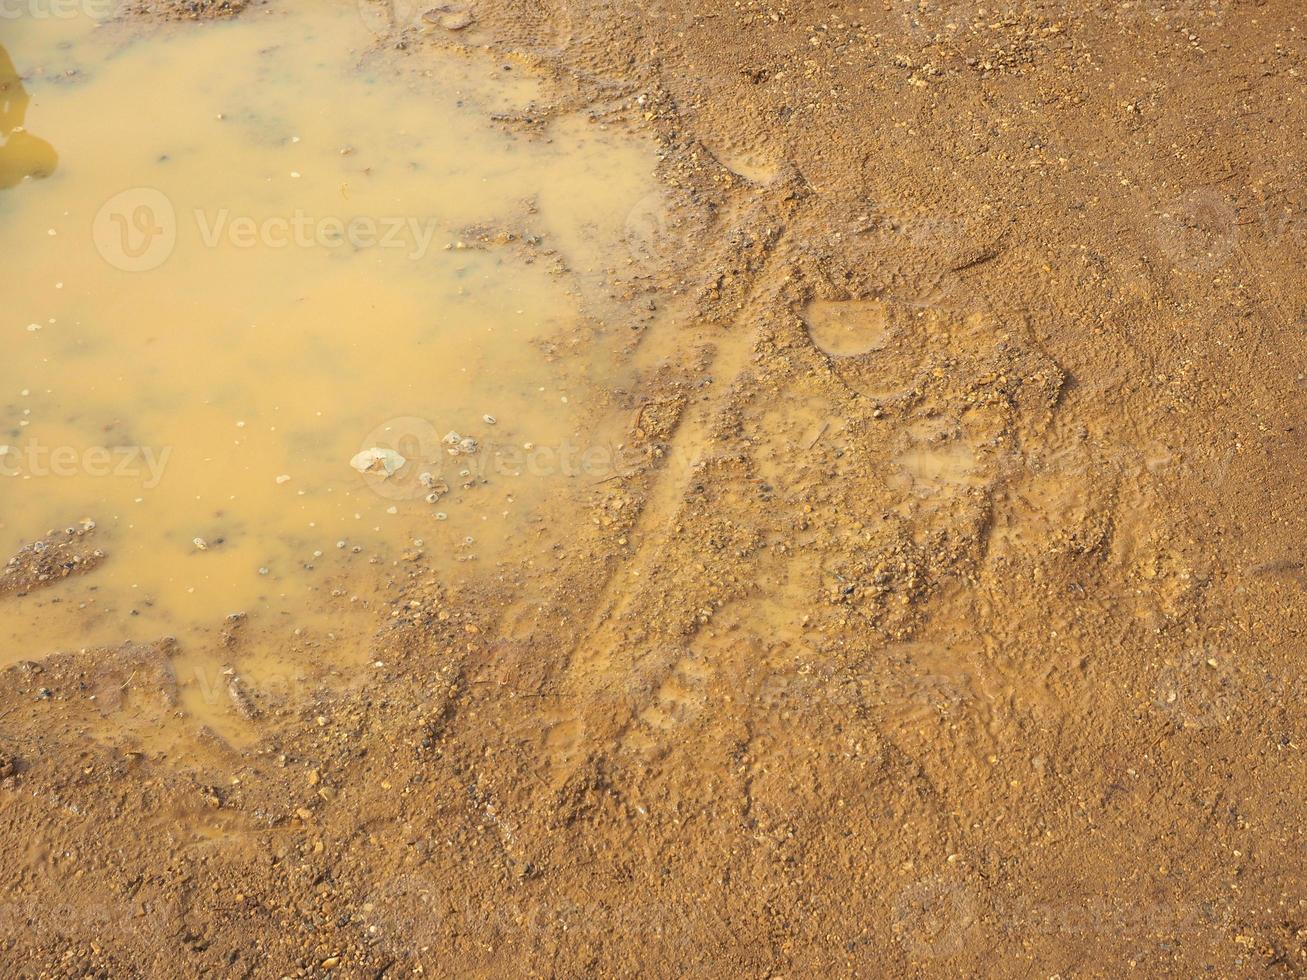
(954, 631)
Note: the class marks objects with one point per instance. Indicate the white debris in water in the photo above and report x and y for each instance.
(283, 479)
(489, 419)
(378, 460)
(459, 445)
(33, 327)
(392, 509)
(201, 544)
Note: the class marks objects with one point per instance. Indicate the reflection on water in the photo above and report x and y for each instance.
(310, 245)
(22, 155)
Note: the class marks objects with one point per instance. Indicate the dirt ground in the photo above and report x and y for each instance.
(950, 623)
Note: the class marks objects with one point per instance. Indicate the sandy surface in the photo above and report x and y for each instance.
(950, 622)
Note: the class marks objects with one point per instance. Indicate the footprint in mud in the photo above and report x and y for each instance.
(753, 163)
(847, 328)
(22, 155)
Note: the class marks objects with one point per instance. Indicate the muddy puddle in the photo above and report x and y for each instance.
(234, 267)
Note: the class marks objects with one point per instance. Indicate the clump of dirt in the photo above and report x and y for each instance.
(48, 560)
(185, 9)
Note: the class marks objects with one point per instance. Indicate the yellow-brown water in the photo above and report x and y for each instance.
(237, 266)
